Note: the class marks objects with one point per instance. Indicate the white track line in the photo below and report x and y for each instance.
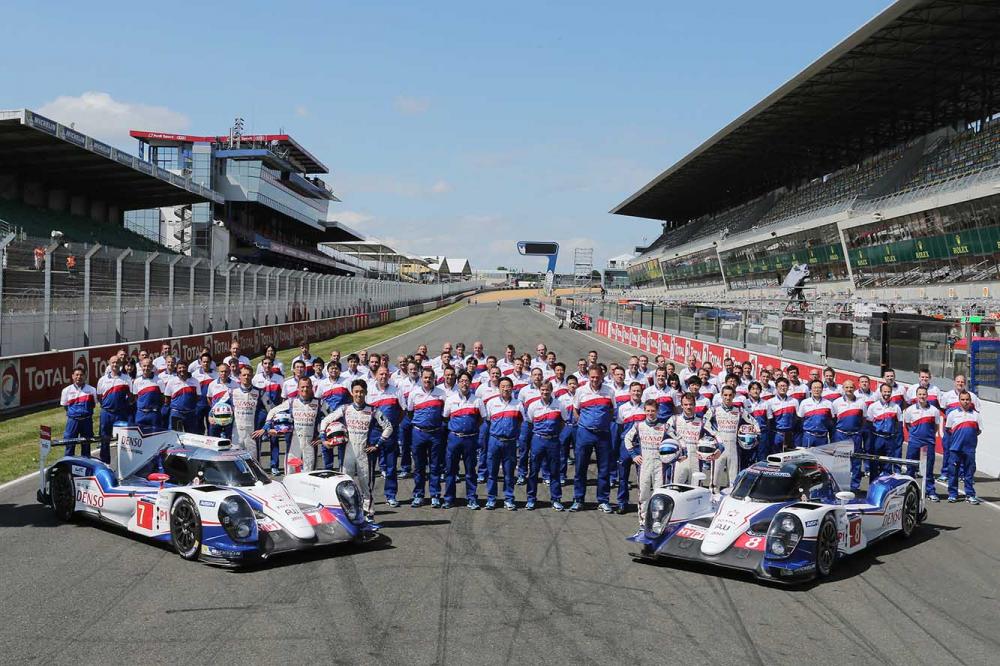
(34, 475)
(993, 506)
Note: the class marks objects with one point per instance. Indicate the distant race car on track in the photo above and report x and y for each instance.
(210, 500)
(784, 520)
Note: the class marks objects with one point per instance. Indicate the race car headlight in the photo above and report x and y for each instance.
(237, 518)
(783, 535)
(350, 500)
(658, 512)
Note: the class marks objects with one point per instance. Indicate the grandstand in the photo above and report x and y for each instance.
(878, 166)
(273, 207)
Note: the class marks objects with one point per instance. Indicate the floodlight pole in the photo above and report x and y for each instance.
(86, 292)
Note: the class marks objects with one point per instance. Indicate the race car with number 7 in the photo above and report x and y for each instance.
(785, 519)
(209, 499)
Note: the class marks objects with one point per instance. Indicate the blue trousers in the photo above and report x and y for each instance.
(183, 421)
(106, 428)
(810, 439)
(963, 465)
(597, 443)
(881, 446)
(567, 439)
(616, 442)
(913, 453)
(624, 465)
(783, 439)
(764, 444)
(545, 451)
(462, 449)
(200, 419)
(523, 449)
(82, 427)
(405, 451)
(483, 442)
(859, 447)
(276, 450)
(389, 455)
(946, 455)
(500, 452)
(428, 452)
(148, 422)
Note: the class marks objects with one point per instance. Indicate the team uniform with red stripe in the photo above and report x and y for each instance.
(505, 425)
(389, 402)
(884, 418)
(922, 425)
(964, 428)
(113, 392)
(629, 415)
(784, 412)
(596, 409)
(851, 424)
(184, 395)
(545, 423)
(79, 403)
(464, 414)
(148, 402)
(816, 417)
(667, 401)
(426, 409)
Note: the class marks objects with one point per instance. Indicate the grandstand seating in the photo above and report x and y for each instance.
(960, 155)
(39, 223)
(844, 184)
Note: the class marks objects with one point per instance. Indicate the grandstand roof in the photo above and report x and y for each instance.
(53, 153)
(296, 152)
(371, 249)
(918, 66)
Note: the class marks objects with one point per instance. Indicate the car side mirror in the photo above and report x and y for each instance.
(845, 496)
(158, 477)
(698, 477)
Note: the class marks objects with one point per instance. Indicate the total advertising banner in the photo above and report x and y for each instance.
(36, 379)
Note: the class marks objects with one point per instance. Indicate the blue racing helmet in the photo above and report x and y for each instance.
(282, 423)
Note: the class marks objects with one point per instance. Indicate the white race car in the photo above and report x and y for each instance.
(209, 499)
(784, 520)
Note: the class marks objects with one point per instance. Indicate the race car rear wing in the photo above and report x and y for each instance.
(45, 444)
(836, 454)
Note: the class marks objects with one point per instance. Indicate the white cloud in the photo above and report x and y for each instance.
(352, 218)
(301, 111)
(101, 116)
(441, 187)
(411, 106)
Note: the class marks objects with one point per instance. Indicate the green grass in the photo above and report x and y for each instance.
(19, 434)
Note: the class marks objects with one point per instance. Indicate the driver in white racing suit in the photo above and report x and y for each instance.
(642, 442)
(359, 418)
(248, 413)
(687, 428)
(726, 421)
(307, 411)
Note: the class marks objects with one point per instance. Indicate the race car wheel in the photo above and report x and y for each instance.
(185, 528)
(911, 513)
(826, 547)
(63, 495)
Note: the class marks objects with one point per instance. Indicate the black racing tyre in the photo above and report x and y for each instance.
(911, 513)
(185, 528)
(826, 546)
(62, 490)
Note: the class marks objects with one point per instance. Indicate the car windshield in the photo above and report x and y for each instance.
(766, 486)
(231, 472)
(236, 472)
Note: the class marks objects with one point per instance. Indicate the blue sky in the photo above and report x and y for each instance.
(451, 128)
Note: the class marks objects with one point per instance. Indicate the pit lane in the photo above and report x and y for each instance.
(495, 587)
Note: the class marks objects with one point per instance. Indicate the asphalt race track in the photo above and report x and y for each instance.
(493, 587)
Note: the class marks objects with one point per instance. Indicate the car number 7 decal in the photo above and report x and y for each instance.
(144, 514)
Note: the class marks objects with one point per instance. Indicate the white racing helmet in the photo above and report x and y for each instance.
(221, 414)
(335, 434)
(709, 448)
(748, 436)
(670, 451)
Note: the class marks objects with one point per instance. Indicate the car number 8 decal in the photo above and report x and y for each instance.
(855, 531)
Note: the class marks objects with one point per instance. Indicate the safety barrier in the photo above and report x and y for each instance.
(34, 380)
